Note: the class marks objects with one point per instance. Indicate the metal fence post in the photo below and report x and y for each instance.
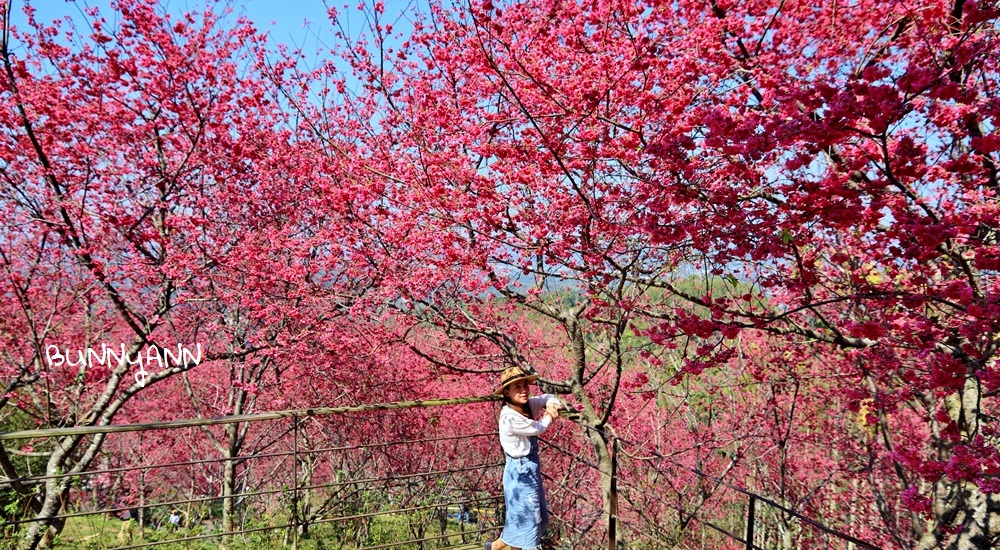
(295, 482)
(613, 497)
(750, 516)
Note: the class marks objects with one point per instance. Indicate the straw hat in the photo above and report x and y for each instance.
(511, 375)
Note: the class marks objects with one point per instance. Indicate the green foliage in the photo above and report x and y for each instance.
(13, 504)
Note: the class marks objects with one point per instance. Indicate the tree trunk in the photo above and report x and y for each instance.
(41, 534)
(305, 508)
(142, 505)
(960, 505)
(600, 446)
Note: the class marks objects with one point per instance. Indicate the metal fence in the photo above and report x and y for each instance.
(659, 502)
(367, 477)
(398, 475)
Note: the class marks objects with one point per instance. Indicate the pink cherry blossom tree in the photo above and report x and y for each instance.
(828, 173)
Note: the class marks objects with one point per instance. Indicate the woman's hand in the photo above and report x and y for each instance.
(552, 408)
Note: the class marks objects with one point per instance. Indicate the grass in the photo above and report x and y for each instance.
(103, 532)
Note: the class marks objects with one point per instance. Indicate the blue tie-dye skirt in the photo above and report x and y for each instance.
(527, 513)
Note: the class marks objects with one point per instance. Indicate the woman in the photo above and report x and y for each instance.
(527, 515)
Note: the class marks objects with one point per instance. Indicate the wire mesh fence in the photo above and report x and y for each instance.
(352, 478)
(661, 502)
(400, 475)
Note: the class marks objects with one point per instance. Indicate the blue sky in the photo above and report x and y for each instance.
(299, 23)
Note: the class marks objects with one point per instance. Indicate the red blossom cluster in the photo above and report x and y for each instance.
(713, 226)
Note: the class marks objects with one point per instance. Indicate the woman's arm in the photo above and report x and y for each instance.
(517, 424)
(538, 402)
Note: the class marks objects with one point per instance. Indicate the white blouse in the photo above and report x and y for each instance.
(515, 428)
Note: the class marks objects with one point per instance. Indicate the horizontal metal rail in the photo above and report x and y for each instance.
(403, 510)
(579, 515)
(391, 443)
(266, 492)
(294, 488)
(328, 520)
(242, 458)
(574, 457)
(725, 532)
(703, 475)
(238, 459)
(238, 418)
(571, 525)
(575, 494)
(693, 516)
(298, 414)
(204, 537)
